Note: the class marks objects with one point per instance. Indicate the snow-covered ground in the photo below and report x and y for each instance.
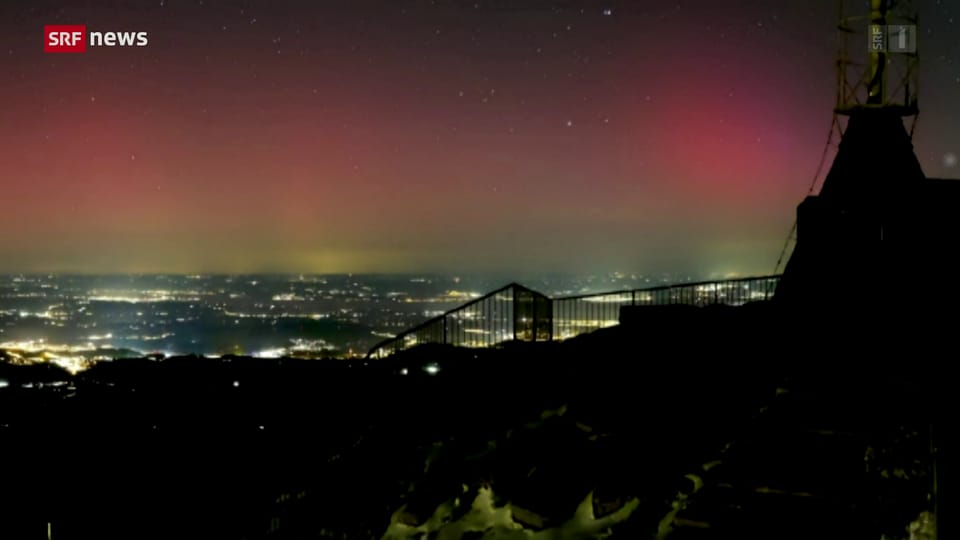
(497, 523)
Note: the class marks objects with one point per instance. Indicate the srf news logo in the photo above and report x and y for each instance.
(74, 38)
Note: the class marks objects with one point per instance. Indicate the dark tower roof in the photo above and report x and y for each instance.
(875, 161)
(877, 224)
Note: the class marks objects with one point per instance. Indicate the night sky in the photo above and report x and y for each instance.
(383, 136)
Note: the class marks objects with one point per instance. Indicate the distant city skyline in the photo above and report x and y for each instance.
(375, 136)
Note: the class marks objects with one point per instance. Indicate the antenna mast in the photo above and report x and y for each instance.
(878, 61)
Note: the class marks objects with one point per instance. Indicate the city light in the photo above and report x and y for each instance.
(76, 322)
